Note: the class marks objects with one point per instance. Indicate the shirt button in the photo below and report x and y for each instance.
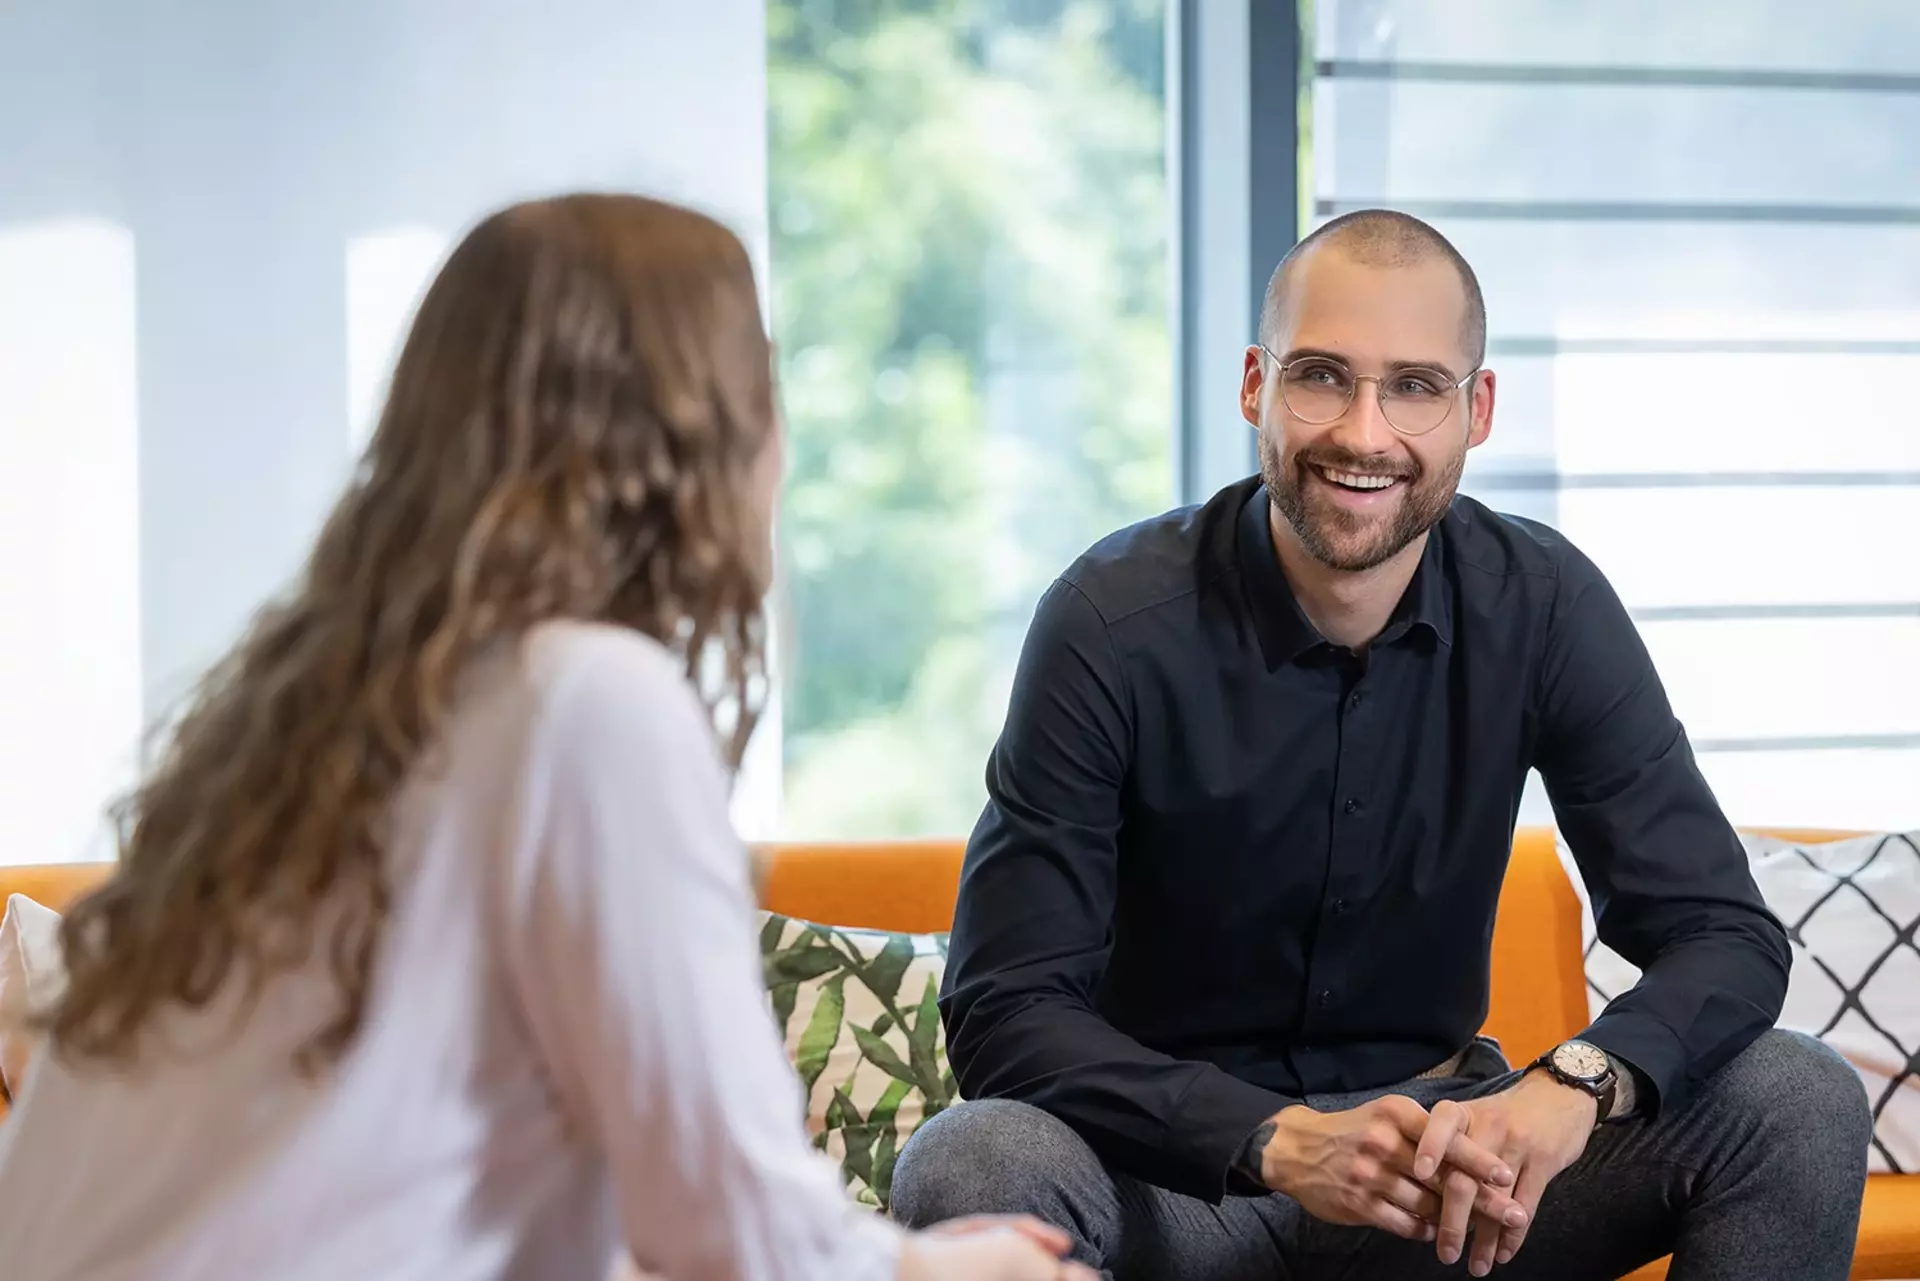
(1353, 805)
(1353, 700)
(1339, 907)
(1326, 998)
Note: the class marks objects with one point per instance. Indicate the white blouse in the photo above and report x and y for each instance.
(566, 1049)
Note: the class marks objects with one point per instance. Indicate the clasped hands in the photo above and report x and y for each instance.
(1479, 1165)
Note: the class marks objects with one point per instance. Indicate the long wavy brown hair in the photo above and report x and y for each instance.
(578, 427)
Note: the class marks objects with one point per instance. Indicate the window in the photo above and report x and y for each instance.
(1700, 245)
(970, 267)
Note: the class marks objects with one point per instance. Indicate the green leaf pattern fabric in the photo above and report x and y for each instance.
(858, 1012)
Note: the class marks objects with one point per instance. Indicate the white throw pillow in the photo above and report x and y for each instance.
(1851, 909)
(31, 975)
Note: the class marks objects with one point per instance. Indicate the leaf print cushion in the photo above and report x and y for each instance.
(857, 1009)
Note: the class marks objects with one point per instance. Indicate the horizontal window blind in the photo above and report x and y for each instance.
(1699, 239)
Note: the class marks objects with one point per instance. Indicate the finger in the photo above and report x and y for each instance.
(1532, 1185)
(1462, 1192)
(1407, 1116)
(1446, 1120)
(1496, 1206)
(1045, 1235)
(1393, 1151)
(1389, 1217)
(1398, 1153)
(1479, 1157)
(1486, 1244)
(1416, 1199)
(1077, 1272)
(1049, 1238)
(1487, 1230)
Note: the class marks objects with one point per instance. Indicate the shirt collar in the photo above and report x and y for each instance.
(1283, 627)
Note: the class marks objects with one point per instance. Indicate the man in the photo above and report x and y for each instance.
(1221, 946)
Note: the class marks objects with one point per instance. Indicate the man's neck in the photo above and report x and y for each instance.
(1349, 608)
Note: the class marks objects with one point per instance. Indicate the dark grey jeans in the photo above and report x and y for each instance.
(1758, 1177)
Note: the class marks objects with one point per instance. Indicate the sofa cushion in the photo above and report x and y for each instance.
(1851, 908)
(857, 1010)
(31, 975)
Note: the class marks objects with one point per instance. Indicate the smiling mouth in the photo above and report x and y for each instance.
(1356, 482)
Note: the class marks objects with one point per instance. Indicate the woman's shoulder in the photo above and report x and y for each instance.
(616, 737)
(601, 681)
(566, 658)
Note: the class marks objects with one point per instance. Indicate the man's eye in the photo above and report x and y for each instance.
(1320, 374)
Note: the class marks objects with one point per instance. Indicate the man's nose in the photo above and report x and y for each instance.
(1364, 428)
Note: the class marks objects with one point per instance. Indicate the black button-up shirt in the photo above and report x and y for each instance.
(1225, 863)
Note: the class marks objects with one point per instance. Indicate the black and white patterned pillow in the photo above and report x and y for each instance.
(1852, 909)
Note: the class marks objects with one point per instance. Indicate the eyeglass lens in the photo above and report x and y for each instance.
(1415, 401)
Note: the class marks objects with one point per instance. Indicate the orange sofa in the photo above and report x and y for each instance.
(1539, 986)
(1539, 990)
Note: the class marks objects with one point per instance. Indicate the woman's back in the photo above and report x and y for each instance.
(569, 929)
(430, 951)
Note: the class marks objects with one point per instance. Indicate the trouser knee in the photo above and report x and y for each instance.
(991, 1156)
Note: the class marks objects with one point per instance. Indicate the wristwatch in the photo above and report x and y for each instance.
(1584, 1067)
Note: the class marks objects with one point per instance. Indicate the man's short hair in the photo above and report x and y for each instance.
(1382, 238)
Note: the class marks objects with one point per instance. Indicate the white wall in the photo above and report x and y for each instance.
(214, 219)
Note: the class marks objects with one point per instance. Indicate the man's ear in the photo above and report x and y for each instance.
(1253, 379)
(1480, 409)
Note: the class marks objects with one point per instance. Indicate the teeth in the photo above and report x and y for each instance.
(1354, 480)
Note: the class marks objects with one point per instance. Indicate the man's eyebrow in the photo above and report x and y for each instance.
(1393, 366)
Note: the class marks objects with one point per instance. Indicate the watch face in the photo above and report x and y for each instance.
(1580, 1060)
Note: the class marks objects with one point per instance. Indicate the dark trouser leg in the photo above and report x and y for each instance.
(998, 1157)
(1759, 1175)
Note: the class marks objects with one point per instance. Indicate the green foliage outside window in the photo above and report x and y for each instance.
(970, 219)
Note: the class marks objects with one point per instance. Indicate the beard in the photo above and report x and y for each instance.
(1354, 541)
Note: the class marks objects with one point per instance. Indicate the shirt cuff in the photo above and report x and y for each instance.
(1215, 1116)
(1243, 1175)
(1626, 1089)
(1647, 1046)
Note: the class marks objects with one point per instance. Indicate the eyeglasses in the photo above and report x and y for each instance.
(1414, 401)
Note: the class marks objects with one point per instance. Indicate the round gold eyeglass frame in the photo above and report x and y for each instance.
(1379, 392)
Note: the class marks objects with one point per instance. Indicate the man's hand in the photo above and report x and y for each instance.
(1537, 1129)
(1358, 1168)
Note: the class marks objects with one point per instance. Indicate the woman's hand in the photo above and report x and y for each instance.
(990, 1248)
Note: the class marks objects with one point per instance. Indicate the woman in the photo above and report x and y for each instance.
(430, 953)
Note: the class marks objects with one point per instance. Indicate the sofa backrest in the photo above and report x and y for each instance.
(1539, 987)
(52, 885)
(1539, 979)
(1539, 983)
(1539, 993)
